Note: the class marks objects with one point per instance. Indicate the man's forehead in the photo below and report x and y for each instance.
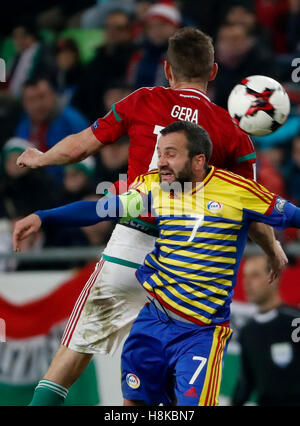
(176, 140)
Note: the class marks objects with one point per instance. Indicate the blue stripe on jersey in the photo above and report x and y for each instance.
(186, 305)
(210, 252)
(196, 261)
(213, 275)
(195, 287)
(210, 229)
(206, 219)
(210, 241)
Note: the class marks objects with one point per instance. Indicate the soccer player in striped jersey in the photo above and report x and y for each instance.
(178, 341)
(142, 115)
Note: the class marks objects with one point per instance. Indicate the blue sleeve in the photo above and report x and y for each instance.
(284, 215)
(83, 213)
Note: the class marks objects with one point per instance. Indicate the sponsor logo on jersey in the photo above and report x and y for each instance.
(279, 205)
(214, 206)
(191, 392)
(281, 354)
(133, 381)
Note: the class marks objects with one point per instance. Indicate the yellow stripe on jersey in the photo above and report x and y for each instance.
(194, 266)
(196, 255)
(182, 309)
(251, 185)
(211, 387)
(208, 235)
(190, 290)
(191, 302)
(192, 277)
(184, 222)
(231, 249)
(211, 288)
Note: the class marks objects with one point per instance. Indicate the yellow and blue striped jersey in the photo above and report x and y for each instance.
(193, 268)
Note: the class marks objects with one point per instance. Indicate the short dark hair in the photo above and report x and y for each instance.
(198, 140)
(191, 54)
(34, 81)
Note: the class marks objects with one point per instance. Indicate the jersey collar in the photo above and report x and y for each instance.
(208, 177)
(199, 92)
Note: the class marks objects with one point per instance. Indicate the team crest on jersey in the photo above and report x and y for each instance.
(281, 354)
(133, 381)
(214, 206)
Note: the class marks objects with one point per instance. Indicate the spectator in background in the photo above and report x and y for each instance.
(146, 65)
(291, 172)
(79, 184)
(238, 56)
(269, 170)
(245, 16)
(23, 190)
(141, 7)
(69, 69)
(32, 58)
(79, 181)
(273, 15)
(113, 160)
(269, 358)
(115, 93)
(45, 122)
(108, 65)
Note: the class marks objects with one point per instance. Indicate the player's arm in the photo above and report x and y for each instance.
(69, 150)
(264, 236)
(81, 213)
(244, 164)
(79, 146)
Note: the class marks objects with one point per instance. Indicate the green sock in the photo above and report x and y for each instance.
(48, 393)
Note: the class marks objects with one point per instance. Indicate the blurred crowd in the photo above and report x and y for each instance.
(68, 62)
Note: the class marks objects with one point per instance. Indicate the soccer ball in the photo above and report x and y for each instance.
(259, 105)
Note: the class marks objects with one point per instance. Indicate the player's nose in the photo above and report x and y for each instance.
(162, 162)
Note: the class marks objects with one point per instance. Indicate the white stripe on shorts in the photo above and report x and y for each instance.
(80, 304)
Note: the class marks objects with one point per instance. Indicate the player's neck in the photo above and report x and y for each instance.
(189, 85)
(269, 305)
(200, 178)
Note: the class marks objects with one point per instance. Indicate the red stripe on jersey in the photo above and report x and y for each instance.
(253, 184)
(242, 186)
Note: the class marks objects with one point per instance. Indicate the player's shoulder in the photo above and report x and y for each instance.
(227, 122)
(151, 176)
(289, 311)
(146, 179)
(233, 178)
(242, 185)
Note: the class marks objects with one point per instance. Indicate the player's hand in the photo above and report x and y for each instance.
(24, 228)
(30, 158)
(278, 262)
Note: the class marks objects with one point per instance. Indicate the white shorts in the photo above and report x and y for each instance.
(112, 297)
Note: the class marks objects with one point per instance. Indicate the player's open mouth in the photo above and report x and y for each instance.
(166, 176)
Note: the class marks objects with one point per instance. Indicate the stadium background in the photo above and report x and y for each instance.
(93, 54)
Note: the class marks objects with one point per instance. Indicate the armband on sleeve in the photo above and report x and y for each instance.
(132, 203)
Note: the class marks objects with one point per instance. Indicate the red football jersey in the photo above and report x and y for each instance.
(146, 111)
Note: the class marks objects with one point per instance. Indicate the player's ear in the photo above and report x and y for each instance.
(214, 72)
(168, 71)
(198, 162)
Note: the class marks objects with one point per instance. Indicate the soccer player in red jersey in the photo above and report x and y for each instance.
(111, 299)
